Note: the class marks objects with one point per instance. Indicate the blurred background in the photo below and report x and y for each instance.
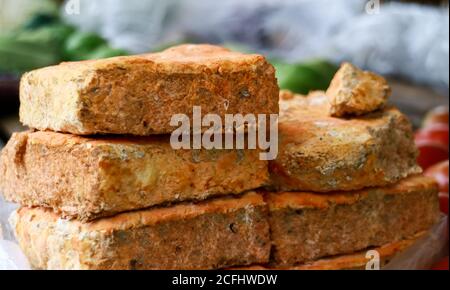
(407, 41)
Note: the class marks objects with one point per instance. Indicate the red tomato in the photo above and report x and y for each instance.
(442, 265)
(437, 115)
(443, 202)
(440, 173)
(431, 153)
(434, 132)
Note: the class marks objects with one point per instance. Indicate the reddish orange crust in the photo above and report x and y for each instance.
(208, 235)
(354, 261)
(307, 226)
(320, 153)
(87, 178)
(304, 227)
(356, 92)
(138, 95)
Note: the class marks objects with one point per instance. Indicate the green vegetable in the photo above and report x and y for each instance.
(41, 19)
(105, 51)
(81, 44)
(305, 77)
(13, 14)
(17, 56)
(326, 70)
(55, 34)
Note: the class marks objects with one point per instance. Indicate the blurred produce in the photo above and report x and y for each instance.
(44, 40)
(40, 19)
(443, 202)
(52, 34)
(14, 13)
(297, 77)
(37, 44)
(440, 173)
(432, 141)
(434, 132)
(431, 153)
(105, 51)
(17, 56)
(437, 115)
(442, 265)
(304, 77)
(432, 138)
(81, 44)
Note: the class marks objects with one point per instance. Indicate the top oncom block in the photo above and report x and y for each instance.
(138, 95)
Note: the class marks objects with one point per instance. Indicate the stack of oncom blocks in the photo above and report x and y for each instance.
(101, 187)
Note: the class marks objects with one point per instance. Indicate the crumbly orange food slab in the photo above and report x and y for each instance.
(307, 226)
(356, 92)
(282, 230)
(214, 234)
(139, 94)
(320, 153)
(87, 178)
(354, 261)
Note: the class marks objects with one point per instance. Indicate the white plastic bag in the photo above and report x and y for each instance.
(6, 209)
(11, 257)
